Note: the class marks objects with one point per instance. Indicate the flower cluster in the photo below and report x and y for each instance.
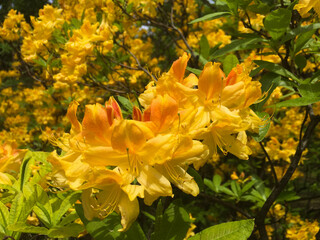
(185, 120)
(13, 26)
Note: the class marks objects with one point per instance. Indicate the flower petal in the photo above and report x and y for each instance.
(129, 211)
(155, 184)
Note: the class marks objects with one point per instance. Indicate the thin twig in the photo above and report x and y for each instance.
(8, 237)
(271, 164)
(137, 61)
(182, 36)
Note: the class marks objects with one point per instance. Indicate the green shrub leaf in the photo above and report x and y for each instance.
(239, 230)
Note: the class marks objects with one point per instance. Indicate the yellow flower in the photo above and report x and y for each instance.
(211, 82)
(304, 6)
(11, 157)
(109, 190)
(10, 161)
(162, 114)
(154, 161)
(239, 91)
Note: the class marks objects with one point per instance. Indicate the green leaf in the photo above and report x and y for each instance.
(22, 227)
(226, 191)
(302, 40)
(233, 6)
(204, 47)
(247, 186)
(148, 215)
(126, 103)
(79, 210)
(40, 156)
(71, 230)
(299, 30)
(69, 218)
(4, 218)
(263, 130)
(40, 62)
(269, 82)
(315, 77)
(196, 177)
(239, 230)
(159, 216)
(107, 229)
(195, 71)
(259, 7)
(43, 207)
(16, 208)
(42, 214)
(135, 232)
(301, 61)
(209, 184)
(30, 196)
(216, 182)
(276, 68)
(229, 62)
(25, 169)
(236, 45)
(293, 3)
(76, 23)
(296, 102)
(57, 36)
(310, 90)
(130, 7)
(235, 188)
(64, 207)
(277, 22)
(210, 16)
(174, 223)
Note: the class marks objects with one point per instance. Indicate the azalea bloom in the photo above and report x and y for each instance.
(10, 161)
(184, 122)
(109, 190)
(304, 6)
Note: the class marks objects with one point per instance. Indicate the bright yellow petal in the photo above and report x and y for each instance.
(101, 202)
(72, 115)
(129, 211)
(155, 184)
(96, 128)
(180, 178)
(196, 154)
(105, 156)
(190, 81)
(130, 135)
(179, 66)
(304, 6)
(158, 149)
(164, 110)
(211, 81)
(133, 191)
(233, 96)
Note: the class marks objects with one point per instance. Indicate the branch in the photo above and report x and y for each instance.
(182, 36)
(8, 237)
(303, 142)
(137, 61)
(249, 26)
(271, 164)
